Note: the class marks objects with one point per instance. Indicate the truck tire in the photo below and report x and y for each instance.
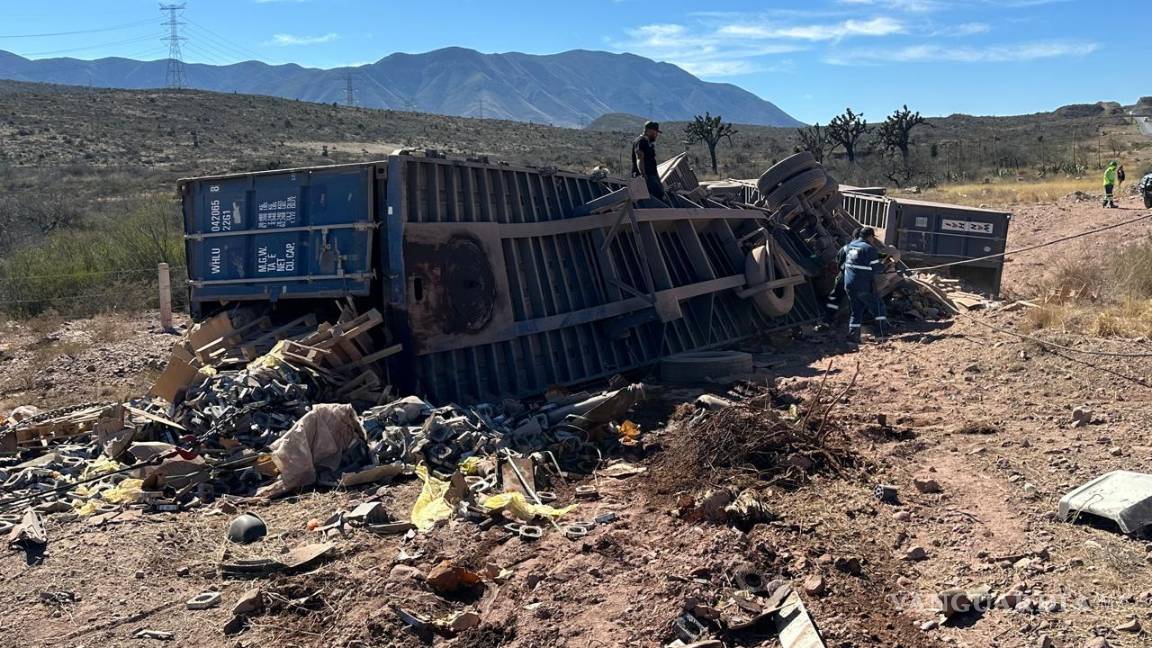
(771, 303)
(808, 181)
(828, 194)
(785, 169)
(704, 366)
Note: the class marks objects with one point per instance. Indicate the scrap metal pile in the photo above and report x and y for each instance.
(263, 427)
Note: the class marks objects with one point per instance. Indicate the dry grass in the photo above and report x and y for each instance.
(1003, 193)
(1105, 295)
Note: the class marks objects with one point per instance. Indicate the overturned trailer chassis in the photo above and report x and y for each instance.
(503, 281)
(507, 293)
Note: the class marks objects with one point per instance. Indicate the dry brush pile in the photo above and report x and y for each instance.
(752, 442)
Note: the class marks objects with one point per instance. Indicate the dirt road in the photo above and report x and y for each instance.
(986, 415)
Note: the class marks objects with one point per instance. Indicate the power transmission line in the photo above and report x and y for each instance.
(205, 46)
(81, 31)
(221, 42)
(210, 55)
(175, 75)
(91, 47)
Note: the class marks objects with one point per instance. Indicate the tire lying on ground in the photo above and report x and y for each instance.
(776, 302)
(808, 181)
(785, 169)
(704, 366)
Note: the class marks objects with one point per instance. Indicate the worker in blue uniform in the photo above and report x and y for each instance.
(862, 264)
(836, 297)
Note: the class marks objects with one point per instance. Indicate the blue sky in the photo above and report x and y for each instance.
(810, 57)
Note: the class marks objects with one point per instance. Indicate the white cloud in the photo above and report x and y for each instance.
(926, 6)
(285, 40)
(964, 29)
(910, 6)
(701, 50)
(729, 43)
(816, 32)
(722, 44)
(1013, 52)
(720, 68)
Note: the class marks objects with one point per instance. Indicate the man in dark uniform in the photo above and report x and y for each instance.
(836, 297)
(644, 159)
(862, 263)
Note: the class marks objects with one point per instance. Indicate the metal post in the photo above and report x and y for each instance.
(165, 281)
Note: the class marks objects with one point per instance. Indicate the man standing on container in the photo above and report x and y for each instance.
(861, 264)
(1109, 184)
(644, 159)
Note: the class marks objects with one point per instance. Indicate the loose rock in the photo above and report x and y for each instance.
(447, 578)
(916, 553)
(954, 602)
(814, 585)
(927, 485)
(1132, 626)
(250, 602)
(403, 573)
(1081, 416)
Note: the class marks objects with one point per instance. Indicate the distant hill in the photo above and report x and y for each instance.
(568, 89)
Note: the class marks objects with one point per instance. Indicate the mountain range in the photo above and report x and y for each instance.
(567, 89)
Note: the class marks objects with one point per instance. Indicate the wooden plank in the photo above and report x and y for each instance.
(372, 319)
(279, 333)
(378, 356)
(210, 329)
(154, 418)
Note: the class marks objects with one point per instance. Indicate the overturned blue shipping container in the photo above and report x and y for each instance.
(497, 280)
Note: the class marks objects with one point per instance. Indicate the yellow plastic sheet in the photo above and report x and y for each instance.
(99, 467)
(522, 509)
(273, 359)
(431, 505)
(470, 466)
(126, 492)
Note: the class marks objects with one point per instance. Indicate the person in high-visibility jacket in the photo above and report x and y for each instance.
(862, 263)
(1109, 184)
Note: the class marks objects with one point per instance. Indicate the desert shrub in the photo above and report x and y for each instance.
(1108, 295)
(108, 263)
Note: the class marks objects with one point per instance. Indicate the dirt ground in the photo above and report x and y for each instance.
(986, 415)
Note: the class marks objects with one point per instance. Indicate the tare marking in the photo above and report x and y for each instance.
(965, 226)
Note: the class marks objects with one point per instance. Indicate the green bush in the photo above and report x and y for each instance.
(107, 263)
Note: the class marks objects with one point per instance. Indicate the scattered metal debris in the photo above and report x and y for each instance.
(1120, 496)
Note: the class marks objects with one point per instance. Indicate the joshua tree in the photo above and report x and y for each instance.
(847, 129)
(896, 131)
(814, 140)
(710, 130)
